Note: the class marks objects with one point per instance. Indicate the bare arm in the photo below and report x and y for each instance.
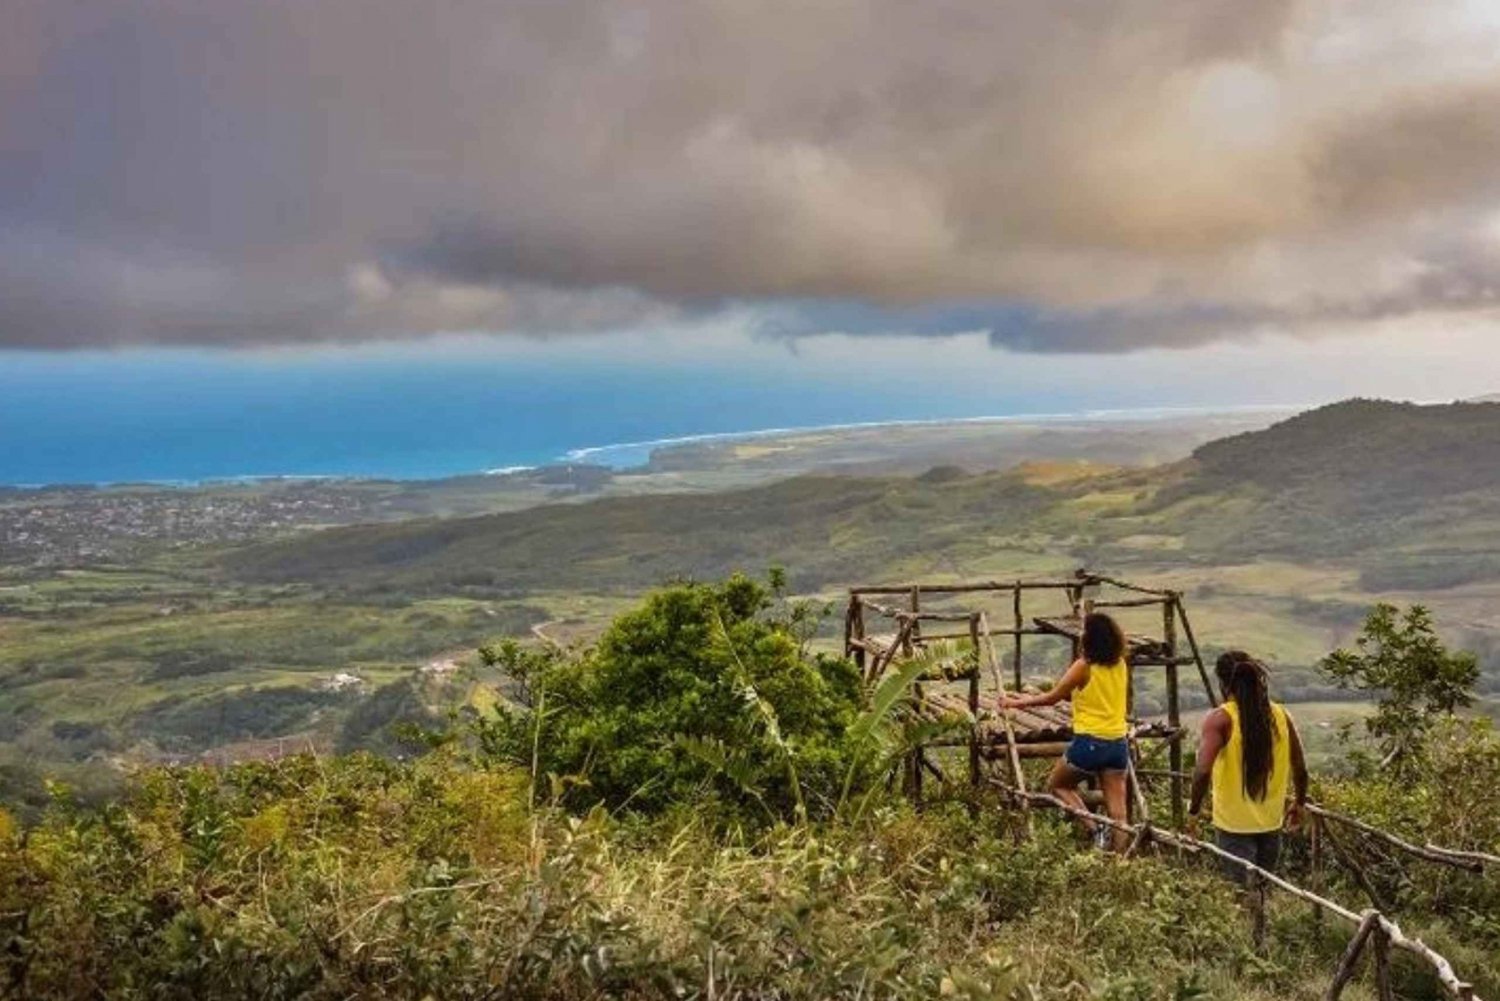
(1299, 775)
(1211, 740)
(1075, 677)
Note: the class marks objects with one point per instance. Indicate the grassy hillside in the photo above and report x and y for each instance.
(1344, 480)
(1387, 479)
(630, 827)
(104, 665)
(826, 528)
(1281, 538)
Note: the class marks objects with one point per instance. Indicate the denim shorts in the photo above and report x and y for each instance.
(1092, 754)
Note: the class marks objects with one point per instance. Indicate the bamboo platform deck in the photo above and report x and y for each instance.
(1043, 731)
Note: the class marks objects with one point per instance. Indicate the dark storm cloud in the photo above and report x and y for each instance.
(1067, 176)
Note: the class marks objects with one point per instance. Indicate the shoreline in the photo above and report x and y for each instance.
(588, 455)
(1123, 415)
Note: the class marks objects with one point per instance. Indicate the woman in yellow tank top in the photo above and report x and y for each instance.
(1097, 684)
(1249, 753)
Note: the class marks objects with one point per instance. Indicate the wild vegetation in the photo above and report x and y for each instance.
(513, 861)
(227, 651)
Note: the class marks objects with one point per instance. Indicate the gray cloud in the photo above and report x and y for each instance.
(1068, 176)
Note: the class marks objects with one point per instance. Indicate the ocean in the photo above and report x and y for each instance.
(194, 417)
(451, 406)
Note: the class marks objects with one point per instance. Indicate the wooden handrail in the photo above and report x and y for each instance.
(1392, 931)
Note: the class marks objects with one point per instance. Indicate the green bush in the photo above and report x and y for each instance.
(1449, 797)
(703, 690)
(357, 877)
(1417, 681)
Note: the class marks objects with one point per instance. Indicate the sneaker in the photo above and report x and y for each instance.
(1101, 836)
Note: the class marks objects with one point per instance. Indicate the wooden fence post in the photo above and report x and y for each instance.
(1350, 961)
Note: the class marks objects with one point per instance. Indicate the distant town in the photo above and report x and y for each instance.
(67, 526)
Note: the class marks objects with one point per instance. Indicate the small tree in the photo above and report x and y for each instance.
(700, 688)
(1399, 659)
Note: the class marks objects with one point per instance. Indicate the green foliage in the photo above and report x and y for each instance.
(183, 724)
(361, 877)
(1399, 658)
(1450, 797)
(703, 688)
(354, 877)
(388, 720)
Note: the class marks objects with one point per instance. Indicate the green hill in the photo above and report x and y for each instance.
(825, 528)
(1412, 491)
(1386, 484)
(1367, 452)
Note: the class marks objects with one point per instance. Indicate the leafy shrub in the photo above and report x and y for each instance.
(1417, 681)
(1448, 796)
(191, 663)
(704, 689)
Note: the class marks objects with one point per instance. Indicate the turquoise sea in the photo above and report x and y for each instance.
(451, 406)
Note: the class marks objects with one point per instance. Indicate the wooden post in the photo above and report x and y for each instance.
(1187, 628)
(1075, 607)
(855, 629)
(916, 754)
(1174, 709)
(1350, 961)
(1017, 772)
(1020, 624)
(974, 775)
(915, 636)
(1382, 943)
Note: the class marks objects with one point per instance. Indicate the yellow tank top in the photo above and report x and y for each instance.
(1099, 706)
(1234, 811)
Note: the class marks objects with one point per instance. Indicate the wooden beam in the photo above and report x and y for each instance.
(1132, 603)
(1432, 854)
(982, 630)
(1174, 711)
(1187, 630)
(1018, 630)
(987, 585)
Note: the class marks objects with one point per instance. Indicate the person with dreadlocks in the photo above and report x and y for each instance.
(1249, 752)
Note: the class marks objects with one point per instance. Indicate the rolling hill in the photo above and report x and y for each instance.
(1384, 485)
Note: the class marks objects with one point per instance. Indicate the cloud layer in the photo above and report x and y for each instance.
(1067, 176)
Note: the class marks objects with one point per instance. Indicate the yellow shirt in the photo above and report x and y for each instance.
(1234, 810)
(1099, 706)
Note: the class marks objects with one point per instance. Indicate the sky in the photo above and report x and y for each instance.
(1172, 184)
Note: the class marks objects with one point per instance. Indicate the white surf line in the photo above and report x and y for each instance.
(1137, 413)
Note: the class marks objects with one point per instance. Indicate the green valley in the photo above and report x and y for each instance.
(1281, 539)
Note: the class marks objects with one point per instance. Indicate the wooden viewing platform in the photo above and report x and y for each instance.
(958, 647)
(948, 654)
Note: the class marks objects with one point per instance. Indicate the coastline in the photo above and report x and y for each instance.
(622, 456)
(1122, 415)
